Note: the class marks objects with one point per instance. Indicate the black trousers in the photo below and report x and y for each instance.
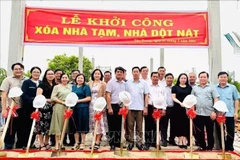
(230, 134)
(114, 126)
(15, 128)
(150, 127)
(201, 122)
(27, 126)
(164, 125)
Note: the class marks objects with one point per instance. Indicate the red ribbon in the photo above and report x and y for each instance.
(123, 112)
(36, 115)
(67, 113)
(156, 114)
(191, 113)
(221, 119)
(98, 116)
(14, 112)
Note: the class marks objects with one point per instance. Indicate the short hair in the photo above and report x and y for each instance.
(120, 69)
(169, 74)
(108, 72)
(58, 70)
(161, 67)
(222, 73)
(154, 73)
(136, 67)
(84, 79)
(192, 73)
(203, 72)
(20, 64)
(92, 76)
(143, 67)
(76, 70)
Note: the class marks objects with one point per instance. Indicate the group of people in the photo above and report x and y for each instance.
(56, 85)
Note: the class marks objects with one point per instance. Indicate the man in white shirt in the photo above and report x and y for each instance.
(164, 121)
(144, 75)
(150, 128)
(161, 74)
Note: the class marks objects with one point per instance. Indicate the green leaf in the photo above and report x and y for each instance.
(69, 63)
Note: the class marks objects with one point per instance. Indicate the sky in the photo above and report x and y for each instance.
(177, 60)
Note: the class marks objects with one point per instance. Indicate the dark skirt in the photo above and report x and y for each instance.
(43, 126)
(181, 121)
(79, 122)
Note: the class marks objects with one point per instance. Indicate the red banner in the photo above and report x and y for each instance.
(59, 26)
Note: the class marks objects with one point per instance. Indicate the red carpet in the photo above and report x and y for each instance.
(103, 151)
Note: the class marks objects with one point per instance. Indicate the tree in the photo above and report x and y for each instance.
(27, 74)
(233, 82)
(3, 75)
(87, 68)
(69, 63)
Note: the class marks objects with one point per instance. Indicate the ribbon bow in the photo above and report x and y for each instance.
(191, 113)
(14, 112)
(123, 112)
(67, 113)
(156, 114)
(98, 116)
(36, 115)
(221, 119)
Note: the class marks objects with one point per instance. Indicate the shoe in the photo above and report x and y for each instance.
(140, 147)
(48, 147)
(185, 146)
(76, 146)
(180, 146)
(200, 149)
(42, 148)
(146, 147)
(96, 146)
(112, 148)
(130, 147)
(82, 146)
(164, 144)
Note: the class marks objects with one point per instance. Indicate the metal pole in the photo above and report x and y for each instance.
(80, 59)
(214, 50)
(161, 56)
(93, 62)
(16, 34)
(151, 65)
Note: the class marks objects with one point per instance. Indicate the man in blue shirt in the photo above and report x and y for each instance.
(228, 94)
